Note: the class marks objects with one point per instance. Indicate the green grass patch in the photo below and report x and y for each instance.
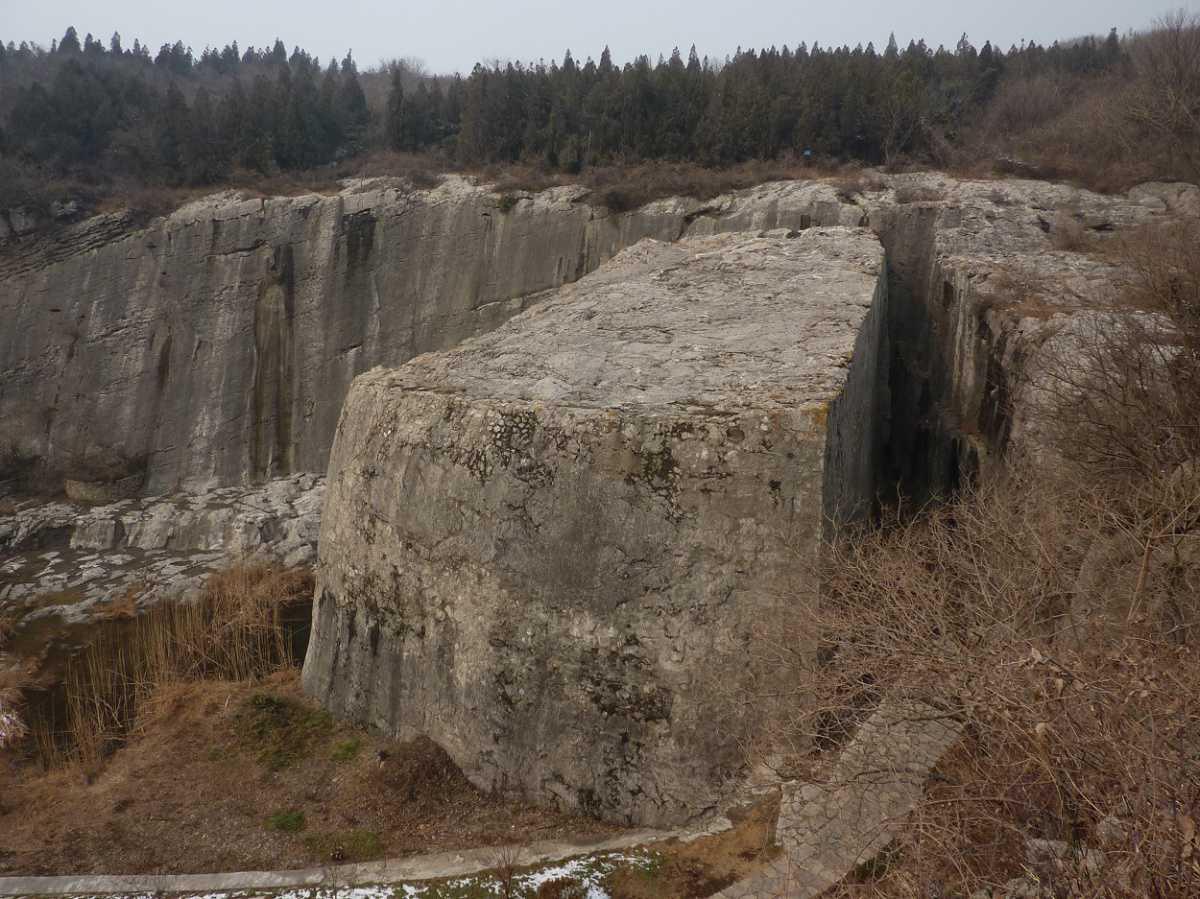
(280, 731)
(346, 845)
(291, 821)
(345, 750)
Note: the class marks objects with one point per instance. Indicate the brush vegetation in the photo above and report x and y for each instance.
(1053, 610)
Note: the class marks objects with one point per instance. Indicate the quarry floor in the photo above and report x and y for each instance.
(252, 777)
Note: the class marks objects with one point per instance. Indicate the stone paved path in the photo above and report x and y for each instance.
(828, 829)
(416, 868)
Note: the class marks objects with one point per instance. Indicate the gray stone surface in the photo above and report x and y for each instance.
(216, 345)
(415, 868)
(826, 829)
(542, 548)
(66, 561)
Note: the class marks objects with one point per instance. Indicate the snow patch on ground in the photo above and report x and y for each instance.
(587, 871)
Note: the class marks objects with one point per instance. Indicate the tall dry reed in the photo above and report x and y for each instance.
(241, 627)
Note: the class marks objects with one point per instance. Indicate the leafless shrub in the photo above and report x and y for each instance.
(1025, 103)
(1135, 124)
(1165, 101)
(972, 609)
(1053, 611)
(1068, 233)
(1121, 390)
(506, 863)
(621, 188)
(423, 171)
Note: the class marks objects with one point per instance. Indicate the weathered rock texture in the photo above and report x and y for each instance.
(69, 561)
(536, 547)
(829, 827)
(216, 345)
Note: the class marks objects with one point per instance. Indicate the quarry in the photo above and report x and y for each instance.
(562, 476)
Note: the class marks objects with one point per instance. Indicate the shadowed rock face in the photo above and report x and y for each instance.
(552, 548)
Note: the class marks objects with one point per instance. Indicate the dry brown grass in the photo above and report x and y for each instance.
(701, 867)
(422, 170)
(1068, 233)
(13, 681)
(197, 784)
(1053, 611)
(1108, 134)
(237, 629)
(1082, 709)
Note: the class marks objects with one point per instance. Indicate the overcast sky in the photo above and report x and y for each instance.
(454, 34)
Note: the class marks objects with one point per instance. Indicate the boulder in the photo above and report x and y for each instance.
(557, 549)
(22, 221)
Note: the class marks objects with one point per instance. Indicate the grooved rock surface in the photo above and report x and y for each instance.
(215, 346)
(554, 548)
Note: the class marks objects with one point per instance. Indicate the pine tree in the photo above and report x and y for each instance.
(1112, 47)
(69, 42)
(353, 114)
(232, 121)
(394, 123)
(257, 151)
(205, 158)
(892, 53)
(327, 110)
(175, 134)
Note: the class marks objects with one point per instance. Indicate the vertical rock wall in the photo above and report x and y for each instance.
(216, 345)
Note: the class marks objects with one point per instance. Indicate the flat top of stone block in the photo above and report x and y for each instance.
(728, 321)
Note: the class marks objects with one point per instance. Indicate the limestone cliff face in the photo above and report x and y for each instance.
(216, 345)
(554, 548)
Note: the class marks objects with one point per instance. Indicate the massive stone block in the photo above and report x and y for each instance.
(553, 548)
